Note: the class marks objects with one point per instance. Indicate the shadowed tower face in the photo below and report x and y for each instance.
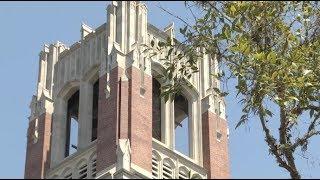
(98, 112)
(95, 101)
(156, 110)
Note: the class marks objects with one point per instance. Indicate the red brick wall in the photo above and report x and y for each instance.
(140, 123)
(107, 121)
(135, 118)
(215, 153)
(38, 154)
(124, 108)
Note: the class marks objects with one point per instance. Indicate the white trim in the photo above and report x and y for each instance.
(141, 171)
(111, 169)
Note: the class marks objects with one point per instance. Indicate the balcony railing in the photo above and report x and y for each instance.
(167, 164)
(80, 165)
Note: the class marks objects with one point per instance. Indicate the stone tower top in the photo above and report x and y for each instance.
(102, 96)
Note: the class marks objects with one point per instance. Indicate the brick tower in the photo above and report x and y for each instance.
(98, 113)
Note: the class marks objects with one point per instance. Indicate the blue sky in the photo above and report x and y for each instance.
(26, 26)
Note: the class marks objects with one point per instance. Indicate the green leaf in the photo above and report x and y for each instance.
(223, 94)
(168, 40)
(272, 57)
(226, 31)
(161, 44)
(294, 65)
(170, 51)
(217, 90)
(309, 84)
(305, 72)
(294, 98)
(175, 40)
(269, 113)
(243, 119)
(221, 19)
(145, 50)
(259, 56)
(274, 74)
(183, 31)
(311, 113)
(207, 15)
(233, 9)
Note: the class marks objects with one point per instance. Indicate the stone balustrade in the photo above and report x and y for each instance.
(168, 164)
(80, 165)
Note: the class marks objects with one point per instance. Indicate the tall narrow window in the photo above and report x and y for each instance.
(156, 110)
(95, 99)
(72, 124)
(181, 117)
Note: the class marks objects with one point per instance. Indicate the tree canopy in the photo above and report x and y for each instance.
(272, 49)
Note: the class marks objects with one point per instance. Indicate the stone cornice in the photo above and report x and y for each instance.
(87, 38)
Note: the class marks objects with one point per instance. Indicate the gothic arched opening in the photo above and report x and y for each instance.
(156, 109)
(72, 124)
(181, 124)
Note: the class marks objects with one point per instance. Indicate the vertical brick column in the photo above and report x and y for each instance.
(215, 153)
(140, 124)
(108, 110)
(124, 98)
(125, 114)
(38, 154)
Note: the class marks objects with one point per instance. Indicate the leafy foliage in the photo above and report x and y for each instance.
(272, 49)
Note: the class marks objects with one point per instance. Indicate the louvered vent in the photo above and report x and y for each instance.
(83, 171)
(183, 174)
(68, 176)
(167, 171)
(94, 167)
(155, 167)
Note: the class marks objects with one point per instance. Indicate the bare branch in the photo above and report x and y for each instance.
(174, 16)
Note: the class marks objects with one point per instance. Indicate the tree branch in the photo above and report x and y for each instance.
(271, 142)
(301, 141)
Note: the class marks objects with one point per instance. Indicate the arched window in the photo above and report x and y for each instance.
(156, 109)
(181, 121)
(95, 101)
(72, 124)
